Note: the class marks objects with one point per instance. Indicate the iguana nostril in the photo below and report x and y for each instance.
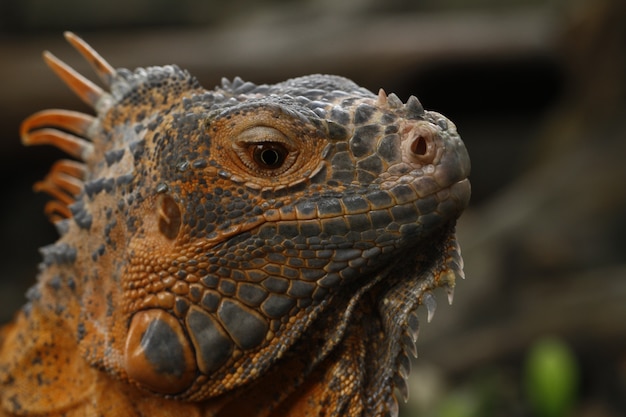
(419, 142)
(419, 146)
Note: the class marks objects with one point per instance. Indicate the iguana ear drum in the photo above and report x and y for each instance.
(157, 354)
(169, 216)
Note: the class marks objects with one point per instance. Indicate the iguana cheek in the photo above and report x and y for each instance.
(157, 354)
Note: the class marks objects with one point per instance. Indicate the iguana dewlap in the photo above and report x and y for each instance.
(252, 250)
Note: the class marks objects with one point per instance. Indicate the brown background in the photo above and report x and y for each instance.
(536, 88)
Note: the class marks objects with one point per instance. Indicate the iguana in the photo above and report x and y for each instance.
(251, 250)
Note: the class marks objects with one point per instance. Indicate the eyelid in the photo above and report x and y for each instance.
(262, 134)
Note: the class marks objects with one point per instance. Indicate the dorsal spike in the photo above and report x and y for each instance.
(72, 121)
(413, 325)
(392, 407)
(414, 108)
(58, 181)
(104, 70)
(226, 84)
(428, 299)
(56, 211)
(450, 291)
(409, 345)
(404, 364)
(82, 87)
(49, 187)
(400, 383)
(245, 87)
(64, 183)
(237, 82)
(69, 167)
(382, 98)
(394, 101)
(62, 226)
(73, 145)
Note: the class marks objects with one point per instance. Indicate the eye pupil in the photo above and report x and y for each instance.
(269, 155)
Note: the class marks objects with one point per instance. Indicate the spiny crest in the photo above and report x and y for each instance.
(413, 107)
(68, 130)
(401, 315)
(80, 135)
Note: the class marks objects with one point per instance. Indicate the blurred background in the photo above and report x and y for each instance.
(537, 89)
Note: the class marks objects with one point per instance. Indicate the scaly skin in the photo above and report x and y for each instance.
(254, 250)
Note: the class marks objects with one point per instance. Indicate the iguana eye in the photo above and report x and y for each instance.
(269, 155)
(267, 147)
(265, 151)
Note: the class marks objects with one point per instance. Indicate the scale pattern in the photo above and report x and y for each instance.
(255, 250)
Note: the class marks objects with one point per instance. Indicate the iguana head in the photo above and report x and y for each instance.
(209, 230)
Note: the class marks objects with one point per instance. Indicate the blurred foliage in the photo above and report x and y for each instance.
(546, 383)
(551, 378)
